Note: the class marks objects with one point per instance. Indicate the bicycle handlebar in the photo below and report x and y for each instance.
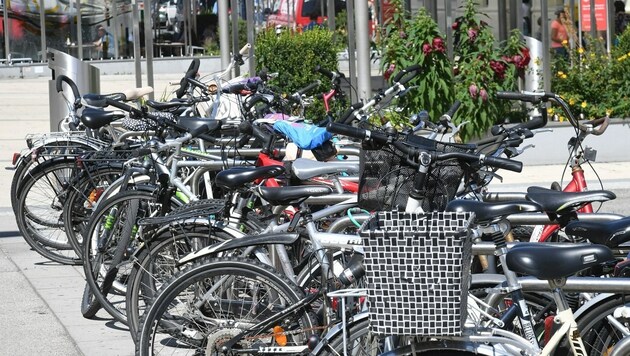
(75, 91)
(589, 126)
(308, 88)
(415, 68)
(363, 134)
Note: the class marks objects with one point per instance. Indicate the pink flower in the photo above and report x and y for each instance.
(472, 34)
(483, 94)
(521, 61)
(426, 49)
(455, 25)
(438, 45)
(389, 71)
(473, 91)
(499, 68)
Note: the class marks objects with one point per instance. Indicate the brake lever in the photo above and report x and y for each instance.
(455, 129)
(537, 131)
(520, 151)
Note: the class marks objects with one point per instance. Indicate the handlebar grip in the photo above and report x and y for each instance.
(405, 71)
(511, 95)
(532, 124)
(503, 163)
(141, 152)
(325, 72)
(453, 109)
(346, 130)
(62, 78)
(199, 131)
(347, 115)
(601, 122)
(245, 49)
(309, 87)
(234, 88)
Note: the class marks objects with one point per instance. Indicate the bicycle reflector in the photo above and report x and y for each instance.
(16, 156)
(279, 336)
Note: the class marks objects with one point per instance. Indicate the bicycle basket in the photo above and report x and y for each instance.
(385, 180)
(417, 270)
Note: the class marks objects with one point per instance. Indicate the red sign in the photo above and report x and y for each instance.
(601, 16)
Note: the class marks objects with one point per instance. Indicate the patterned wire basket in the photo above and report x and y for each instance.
(417, 270)
(385, 180)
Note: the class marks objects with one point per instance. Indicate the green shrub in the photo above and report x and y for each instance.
(294, 56)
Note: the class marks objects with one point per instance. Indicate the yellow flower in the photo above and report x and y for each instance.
(583, 104)
(565, 42)
(550, 111)
(560, 73)
(571, 101)
(580, 50)
(560, 118)
(592, 55)
(608, 112)
(564, 76)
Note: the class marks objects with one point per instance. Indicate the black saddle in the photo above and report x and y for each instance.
(237, 177)
(100, 101)
(292, 195)
(97, 118)
(550, 262)
(553, 201)
(488, 212)
(609, 233)
(168, 105)
(193, 123)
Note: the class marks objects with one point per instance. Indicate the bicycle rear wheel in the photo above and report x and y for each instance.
(40, 209)
(215, 300)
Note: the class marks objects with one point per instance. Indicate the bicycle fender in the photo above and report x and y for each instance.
(598, 299)
(252, 240)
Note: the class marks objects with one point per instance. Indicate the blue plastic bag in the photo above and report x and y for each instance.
(305, 136)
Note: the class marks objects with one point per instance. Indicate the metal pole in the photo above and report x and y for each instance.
(135, 13)
(610, 30)
(114, 13)
(448, 29)
(251, 35)
(234, 18)
(502, 19)
(188, 27)
(364, 75)
(593, 20)
(331, 14)
(79, 30)
(148, 43)
(352, 60)
(544, 9)
(224, 33)
(42, 25)
(5, 15)
(431, 6)
(518, 10)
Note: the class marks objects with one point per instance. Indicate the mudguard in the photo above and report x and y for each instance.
(252, 240)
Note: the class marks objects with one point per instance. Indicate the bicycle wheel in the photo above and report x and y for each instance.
(156, 263)
(109, 239)
(81, 198)
(215, 300)
(601, 329)
(40, 209)
(359, 341)
(89, 305)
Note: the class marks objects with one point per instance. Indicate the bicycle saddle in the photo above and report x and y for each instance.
(563, 202)
(97, 118)
(193, 123)
(292, 195)
(304, 168)
(237, 177)
(488, 212)
(609, 233)
(550, 262)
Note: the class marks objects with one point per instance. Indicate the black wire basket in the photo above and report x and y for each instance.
(386, 179)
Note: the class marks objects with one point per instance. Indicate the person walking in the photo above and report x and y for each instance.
(559, 34)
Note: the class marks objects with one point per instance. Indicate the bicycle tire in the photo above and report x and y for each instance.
(82, 196)
(97, 264)
(598, 335)
(47, 151)
(89, 304)
(271, 292)
(39, 210)
(156, 263)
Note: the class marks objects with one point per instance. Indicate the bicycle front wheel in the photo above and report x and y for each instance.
(215, 300)
(604, 326)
